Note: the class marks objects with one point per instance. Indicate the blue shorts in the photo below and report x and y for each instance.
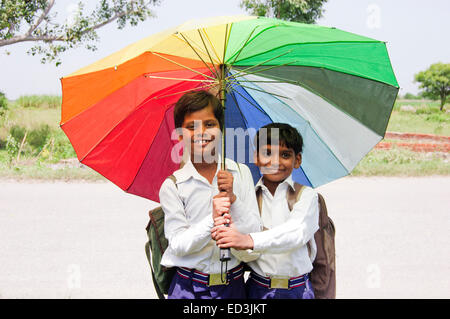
(258, 287)
(191, 284)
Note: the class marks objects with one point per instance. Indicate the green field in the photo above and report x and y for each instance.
(427, 118)
(46, 146)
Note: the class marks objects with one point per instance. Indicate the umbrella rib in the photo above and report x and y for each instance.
(261, 63)
(183, 66)
(207, 51)
(256, 106)
(245, 44)
(195, 51)
(238, 74)
(225, 44)
(190, 90)
(283, 80)
(270, 81)
(177, 79)
(123, 119)
(239, 108)
(260, 90)
(210, 43)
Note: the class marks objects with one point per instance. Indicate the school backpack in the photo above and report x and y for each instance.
(154, 249)
(323, 275)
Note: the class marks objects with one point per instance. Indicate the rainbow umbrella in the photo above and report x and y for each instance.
(337, 88)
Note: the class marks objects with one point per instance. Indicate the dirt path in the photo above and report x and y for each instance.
(86, 240)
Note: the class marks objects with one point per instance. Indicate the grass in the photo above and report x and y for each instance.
(401, 162)
(41, 171)
(426, 119)
(39, 101)
(31, 112)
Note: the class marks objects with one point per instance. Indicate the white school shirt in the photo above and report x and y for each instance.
(283, 246)
(188, 216)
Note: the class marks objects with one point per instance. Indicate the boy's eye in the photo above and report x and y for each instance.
(285, 155)
(211, 124)
(267, 152)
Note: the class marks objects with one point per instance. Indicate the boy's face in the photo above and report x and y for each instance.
(276, 162)
(201, 134)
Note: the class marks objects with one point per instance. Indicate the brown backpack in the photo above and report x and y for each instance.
(323, 275)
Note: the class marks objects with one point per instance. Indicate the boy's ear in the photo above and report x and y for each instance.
(298, 160)
(179, 132)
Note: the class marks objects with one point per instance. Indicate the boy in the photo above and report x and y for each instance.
(187, 203)
(282, 269)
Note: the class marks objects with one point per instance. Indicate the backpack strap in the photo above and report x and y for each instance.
(147, 245)
(259, 200)
(293, 195)
(174, 180)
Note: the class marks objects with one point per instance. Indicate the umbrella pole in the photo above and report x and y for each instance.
(225, 254)
(222, 97)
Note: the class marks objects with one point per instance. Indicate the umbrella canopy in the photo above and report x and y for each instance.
(337, 88)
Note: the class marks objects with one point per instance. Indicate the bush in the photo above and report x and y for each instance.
(439, 118)
(3, 103)
(62, 147)
(38, 137)
(12, 146)
(17, 132)
(410, 96)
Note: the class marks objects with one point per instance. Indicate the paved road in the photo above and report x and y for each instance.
(86, 240)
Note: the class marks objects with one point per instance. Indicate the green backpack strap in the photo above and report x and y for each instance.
(149, 258)
(152, 220)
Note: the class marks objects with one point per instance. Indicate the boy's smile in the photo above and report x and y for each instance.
(200, 129)
(277, 162)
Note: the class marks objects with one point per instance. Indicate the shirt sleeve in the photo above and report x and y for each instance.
(296, 231)
(246, 256)
(184, 238)
(244, 210)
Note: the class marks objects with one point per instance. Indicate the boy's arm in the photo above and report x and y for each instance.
(244, 209)
(296, 231)
(184, 238)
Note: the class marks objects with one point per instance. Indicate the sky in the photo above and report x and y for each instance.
(416, 33)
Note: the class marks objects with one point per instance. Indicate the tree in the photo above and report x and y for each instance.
(306, 11)
(34, 21)
(435, 82)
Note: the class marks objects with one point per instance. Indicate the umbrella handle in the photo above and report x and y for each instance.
(225, 254)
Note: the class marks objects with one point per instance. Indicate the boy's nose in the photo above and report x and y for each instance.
(199, 128)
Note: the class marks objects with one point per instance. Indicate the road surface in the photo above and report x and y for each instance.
(86, 240)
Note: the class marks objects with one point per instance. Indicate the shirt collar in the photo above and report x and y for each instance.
(289, 181)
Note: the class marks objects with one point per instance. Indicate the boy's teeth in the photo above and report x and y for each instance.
(201, 141)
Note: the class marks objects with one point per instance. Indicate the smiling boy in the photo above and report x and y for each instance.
(188, 204)
(282, 270)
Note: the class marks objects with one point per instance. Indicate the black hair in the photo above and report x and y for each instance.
(288, 135)
(194, 101)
